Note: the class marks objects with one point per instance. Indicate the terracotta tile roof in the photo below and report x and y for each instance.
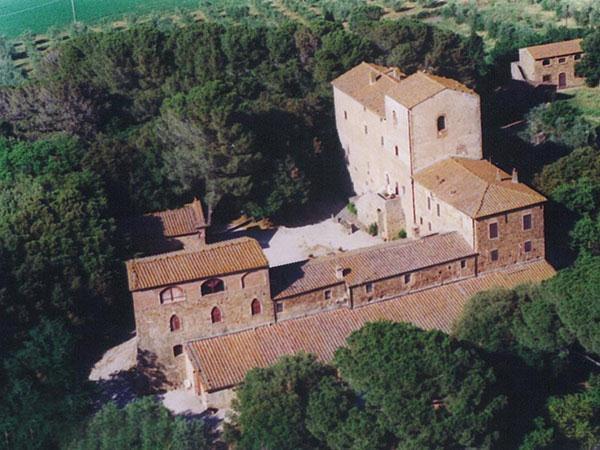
(555, 49)
(223, 361)
(476, 187)
(170, 223)
(357, 85)
(420, 86)
(217, 259)
(368, 264)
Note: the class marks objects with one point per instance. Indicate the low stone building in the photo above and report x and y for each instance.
(549, 64)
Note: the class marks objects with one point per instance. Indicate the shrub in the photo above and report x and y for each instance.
(373, 229)
(352, 208)
(402, 234)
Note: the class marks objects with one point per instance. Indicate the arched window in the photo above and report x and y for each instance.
(172, 294)
(215, 315)
(211, 286)
(255, 307)
(175, 323)
(177, 350)
(441, 123)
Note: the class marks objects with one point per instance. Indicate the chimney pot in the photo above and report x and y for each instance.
(515, 176)
(339, 272)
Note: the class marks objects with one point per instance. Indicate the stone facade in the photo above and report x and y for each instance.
(153, 318)
(550, 64)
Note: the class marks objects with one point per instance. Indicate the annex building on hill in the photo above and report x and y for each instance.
(210, 312)
(549, 64)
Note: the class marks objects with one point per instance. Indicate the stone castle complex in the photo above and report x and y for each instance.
(211, 312)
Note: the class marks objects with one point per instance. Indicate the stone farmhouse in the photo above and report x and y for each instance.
(208, 313)
(549, 64)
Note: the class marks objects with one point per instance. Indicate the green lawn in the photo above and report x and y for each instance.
(36, 16)
(588, 101)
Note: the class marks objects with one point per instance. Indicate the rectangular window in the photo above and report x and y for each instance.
(577, 56)
(420, 220)
(527, 246)
(279, 307)
(547, 78)
(438, 209)
(369, 287)
(493, 230)
(366, 132)
(429, 225)
(396, 150)
(428, 203)
(406, 278)
(546, 62)
(562, 60)
(494, 255)
(382, 141)
(346, 115)
(463, 263)
(327, 294)
(527, 222)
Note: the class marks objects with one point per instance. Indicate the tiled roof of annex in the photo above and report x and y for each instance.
(555, 49)
(223, 361)
(369, 84)
(476, 187)
(235, 255)
(171, 223)
(367, 264)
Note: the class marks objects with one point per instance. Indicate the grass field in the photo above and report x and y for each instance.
(37, 16)
(588, 101)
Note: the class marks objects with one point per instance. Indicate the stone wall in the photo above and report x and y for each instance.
(510, 243)
(312, 302)
(153, 318)
(462, 136)
(421, 279)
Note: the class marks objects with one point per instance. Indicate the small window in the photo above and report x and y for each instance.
(420, 221)
(577, 56)
(406, 278)
(215, 315)
(429, 225)
(175, 323)
(527, 222)
(546, 62)
(527, 246)
(396, 151)
(562, 60)
(279, 307)
(493, 230)
(327, 294)
(172, 294)
(177, 350)
(441, 123)
(212, 286)
(255, 307)
(438, 209)
(366, 131)
(463, 263)
(369, 287)
(346, 115)
(428, 203)
(382, 141)
(403, 190)
(547, 78)
(394, 118)
(494, 255)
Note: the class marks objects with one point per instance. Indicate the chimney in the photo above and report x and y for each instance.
(515, 177)
(498, 177)
(339, 272)
(372, 77)
(396, 73)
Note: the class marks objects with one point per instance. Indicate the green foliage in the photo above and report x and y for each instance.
(429, 390)
(352, 208)
(580, 163)
(589, 66)
(142, 424)
(373, 229)
(10, 75)
(270, 410)
(561, 123)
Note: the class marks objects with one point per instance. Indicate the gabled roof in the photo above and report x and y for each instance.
(222, 362)
(421, 85)
(171, 223)
(476, 187)
(368, 264)
(357, 84)
(231, 256)
(555, 49)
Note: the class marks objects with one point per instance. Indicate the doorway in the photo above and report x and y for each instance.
(562, 80)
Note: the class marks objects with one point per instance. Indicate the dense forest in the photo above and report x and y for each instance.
(118, 123)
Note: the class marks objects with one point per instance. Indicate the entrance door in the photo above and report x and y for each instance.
(562, 80)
